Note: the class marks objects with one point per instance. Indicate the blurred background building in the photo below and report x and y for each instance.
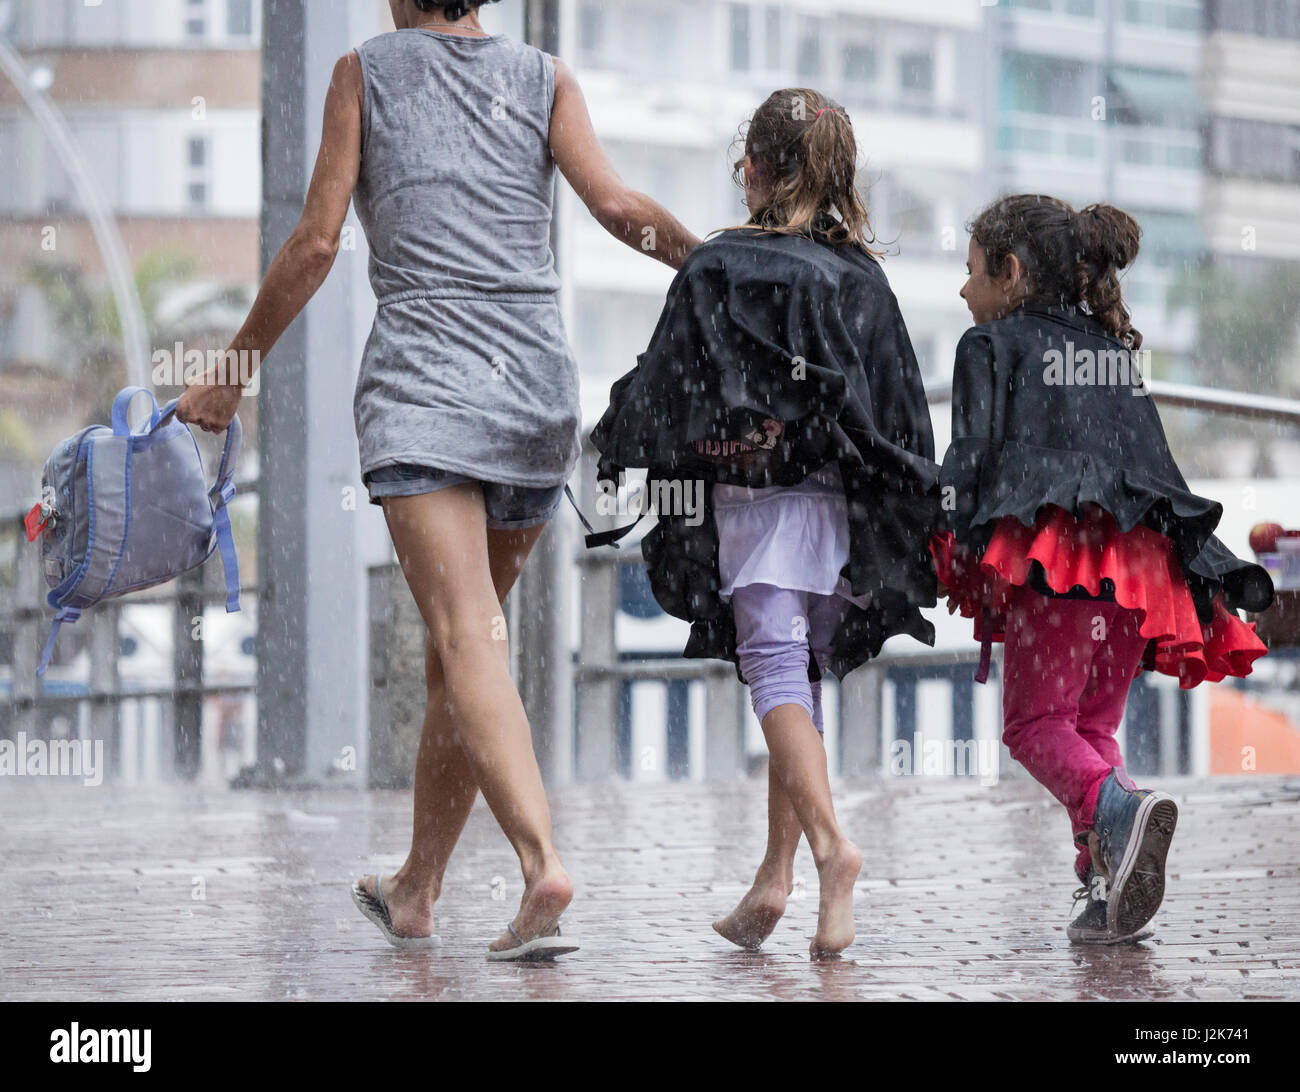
(1185, 113)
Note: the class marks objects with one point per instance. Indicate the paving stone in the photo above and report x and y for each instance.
(184, 893)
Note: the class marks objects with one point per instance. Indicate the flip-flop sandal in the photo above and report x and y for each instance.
(537, 950)
(376, 909)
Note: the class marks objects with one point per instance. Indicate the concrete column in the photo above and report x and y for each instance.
(861, 711)
(187, 674)
(31, 623)
(724, 727)
(311, 677)
(105, 709)
(598, 704)
(545, 659)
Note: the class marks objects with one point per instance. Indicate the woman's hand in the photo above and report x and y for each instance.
(209, 402)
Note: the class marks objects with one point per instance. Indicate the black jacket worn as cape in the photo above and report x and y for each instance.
(1031, 427)
(762, 325)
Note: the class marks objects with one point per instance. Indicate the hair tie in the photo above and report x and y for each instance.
(832, 109)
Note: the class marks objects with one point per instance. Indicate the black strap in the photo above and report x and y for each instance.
(596, 538)
(986, 646)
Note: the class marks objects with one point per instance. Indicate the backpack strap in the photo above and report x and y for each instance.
(595, 538)
(123, 402)
(986, 646)
(221, 494)
(67, 614)
(108, 477)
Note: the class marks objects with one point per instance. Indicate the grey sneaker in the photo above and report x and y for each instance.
(1091, 926)
(1134, 828)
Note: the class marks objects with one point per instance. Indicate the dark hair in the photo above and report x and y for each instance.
(453, 10)
(1071, 257)
(803, 151)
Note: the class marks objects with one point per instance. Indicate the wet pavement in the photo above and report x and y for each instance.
(182, 893)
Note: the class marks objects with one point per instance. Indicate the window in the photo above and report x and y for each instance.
(772, 37)
(239, 18)
(756, 39)
(1034, 84)
(916, 72)
(739, 38)
(591, 27)
(858, 63)
(808, 62)
(1267, 18)
(1166, 14)
(196, 18)
(196, 173)
(1256, 149)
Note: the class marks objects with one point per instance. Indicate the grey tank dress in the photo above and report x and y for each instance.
(467, 367)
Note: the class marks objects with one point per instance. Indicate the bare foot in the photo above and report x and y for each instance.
(836, 876)
(544, 900)
(756, 915)
(411, 912)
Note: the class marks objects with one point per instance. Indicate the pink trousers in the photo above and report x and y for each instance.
(1066, 675)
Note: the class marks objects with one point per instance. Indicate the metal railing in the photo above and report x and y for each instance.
(100, 706)
(163, 722)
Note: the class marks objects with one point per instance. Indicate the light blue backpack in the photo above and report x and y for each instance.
(123, 510)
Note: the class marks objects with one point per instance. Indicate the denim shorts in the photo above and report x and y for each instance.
(509, 507)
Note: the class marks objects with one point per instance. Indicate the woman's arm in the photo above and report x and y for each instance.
(303, 261)
(619, 209)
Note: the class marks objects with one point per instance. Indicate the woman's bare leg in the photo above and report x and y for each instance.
(442, 544)
(756, 915)
(445, 787)
(799, 761)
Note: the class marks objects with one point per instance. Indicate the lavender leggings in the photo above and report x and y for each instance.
(776, 631)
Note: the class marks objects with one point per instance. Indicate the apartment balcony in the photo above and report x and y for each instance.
(1082, 160)
(1250, 77)
(1251, 217)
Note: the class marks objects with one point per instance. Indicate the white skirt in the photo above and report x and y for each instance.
(794, 537)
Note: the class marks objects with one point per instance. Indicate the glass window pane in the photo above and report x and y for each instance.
(859, 63)
(772, 38)
(809, 63)
(239, 18)
(739, 38)
(916, 71)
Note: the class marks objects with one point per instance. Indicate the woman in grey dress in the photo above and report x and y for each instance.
(446, 139)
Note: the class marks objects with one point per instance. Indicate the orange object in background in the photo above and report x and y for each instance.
(1238, 722)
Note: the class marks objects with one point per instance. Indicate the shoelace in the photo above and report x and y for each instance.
(1087, 891)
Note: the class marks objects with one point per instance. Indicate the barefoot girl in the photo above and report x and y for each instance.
(466, 404)
(781, 375)
(1069, 531)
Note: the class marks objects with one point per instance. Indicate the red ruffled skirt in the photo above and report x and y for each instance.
(1142, 565)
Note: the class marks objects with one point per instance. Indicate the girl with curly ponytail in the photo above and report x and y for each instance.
(1069, 531)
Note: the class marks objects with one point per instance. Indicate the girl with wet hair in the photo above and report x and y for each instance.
(781, 377)
(1068, 531)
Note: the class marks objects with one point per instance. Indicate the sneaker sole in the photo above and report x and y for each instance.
(1139, 888)
(1091, 936)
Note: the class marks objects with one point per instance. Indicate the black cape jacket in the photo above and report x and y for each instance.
(800, 330)
(1047, 409)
